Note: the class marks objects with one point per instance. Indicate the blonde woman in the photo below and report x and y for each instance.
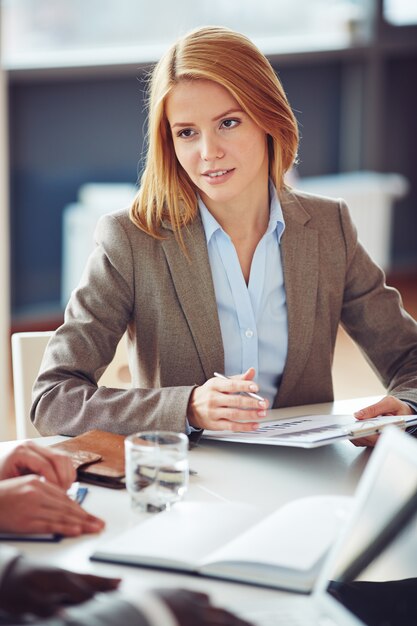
(220, 267)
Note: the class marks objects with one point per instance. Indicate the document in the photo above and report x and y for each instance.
(312, 431)
(39, 537)
(235, 541)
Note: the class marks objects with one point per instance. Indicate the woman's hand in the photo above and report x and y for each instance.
(387, 406)
(219, 405)
(29, 504)
(30, 458)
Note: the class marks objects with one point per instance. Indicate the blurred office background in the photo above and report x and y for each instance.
(74, 78)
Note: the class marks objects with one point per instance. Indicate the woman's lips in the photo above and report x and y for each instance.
(214, 177)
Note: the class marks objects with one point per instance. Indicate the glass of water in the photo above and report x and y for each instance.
(156, 469)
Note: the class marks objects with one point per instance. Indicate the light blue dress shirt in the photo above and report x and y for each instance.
(253, 317)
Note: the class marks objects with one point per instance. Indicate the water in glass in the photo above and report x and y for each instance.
(156, 470)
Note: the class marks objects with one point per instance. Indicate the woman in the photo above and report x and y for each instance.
(220, 267)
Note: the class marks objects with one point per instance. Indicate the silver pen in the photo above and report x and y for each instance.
(247, 393)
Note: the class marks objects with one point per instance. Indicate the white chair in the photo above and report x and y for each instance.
(27, 353)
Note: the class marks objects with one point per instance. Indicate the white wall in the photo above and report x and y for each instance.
(4, 263)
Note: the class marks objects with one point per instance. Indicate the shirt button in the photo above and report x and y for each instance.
(249, 333)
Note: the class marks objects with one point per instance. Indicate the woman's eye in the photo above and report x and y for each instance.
(186, 132)
(230, 123)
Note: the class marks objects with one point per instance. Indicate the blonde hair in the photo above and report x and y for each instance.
(229, 59)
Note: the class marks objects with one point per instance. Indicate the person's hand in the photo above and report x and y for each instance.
(29, 504)
(30, 458)
(387, 406)
(218, 405)
(43, 590)
(191, 608)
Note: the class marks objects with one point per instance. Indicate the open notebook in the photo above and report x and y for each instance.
(235, 541)
(370, 576)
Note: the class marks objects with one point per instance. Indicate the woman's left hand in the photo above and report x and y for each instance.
(387, 406)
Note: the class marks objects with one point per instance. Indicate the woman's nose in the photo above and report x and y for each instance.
(211, 149)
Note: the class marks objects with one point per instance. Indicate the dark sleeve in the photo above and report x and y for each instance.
(105, 611)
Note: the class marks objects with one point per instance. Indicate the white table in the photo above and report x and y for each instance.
(266, 476)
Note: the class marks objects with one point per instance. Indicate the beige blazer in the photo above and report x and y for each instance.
(168, 306)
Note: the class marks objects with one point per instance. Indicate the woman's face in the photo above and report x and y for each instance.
(223, 151)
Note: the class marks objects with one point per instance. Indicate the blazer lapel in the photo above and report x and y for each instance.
(194, 286)
(301, 270)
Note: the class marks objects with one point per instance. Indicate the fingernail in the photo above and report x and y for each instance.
(254, 387)
(360, 413)
(262, 403)
(92, 529)
(262, 413)
(95, 525)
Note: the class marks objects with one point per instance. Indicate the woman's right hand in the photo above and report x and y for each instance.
(219, 405)
(30, 504)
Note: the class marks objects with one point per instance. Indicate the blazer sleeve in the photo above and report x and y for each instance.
(373, 315)
(66, 398)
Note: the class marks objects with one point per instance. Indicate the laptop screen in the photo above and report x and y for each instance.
(374, 574)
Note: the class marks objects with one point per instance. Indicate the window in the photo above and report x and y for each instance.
(400, 12)
(59, 33)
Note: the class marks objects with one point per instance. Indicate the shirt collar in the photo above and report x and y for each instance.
(276, 218)
(210, 223)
